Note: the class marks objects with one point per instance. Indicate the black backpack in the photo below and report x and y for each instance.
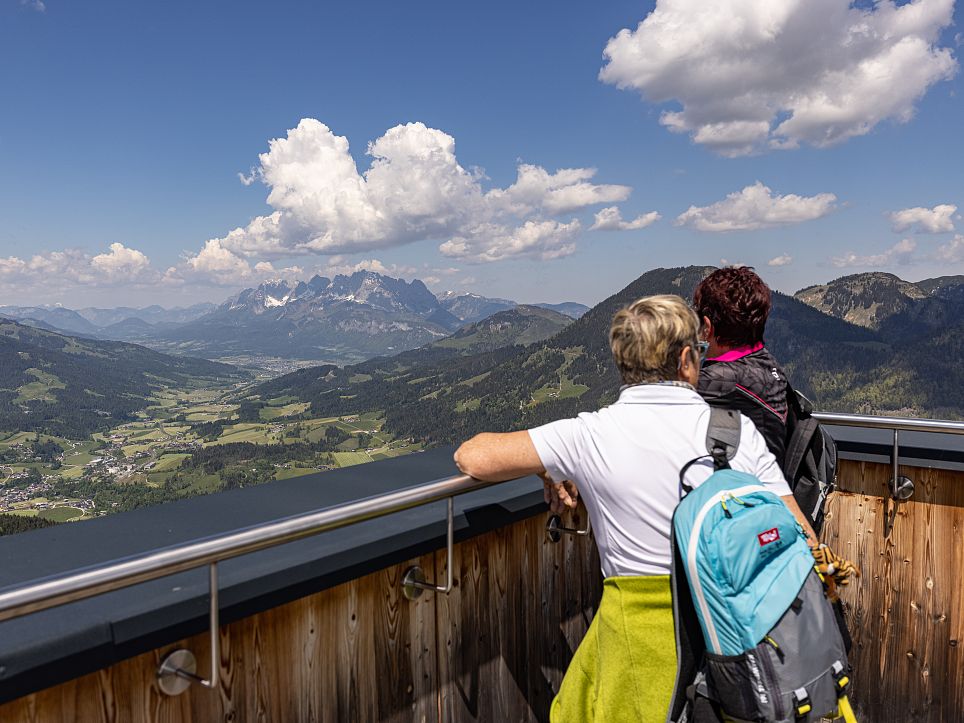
(810, 464)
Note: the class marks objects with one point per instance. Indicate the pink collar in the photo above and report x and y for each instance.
(737, 353)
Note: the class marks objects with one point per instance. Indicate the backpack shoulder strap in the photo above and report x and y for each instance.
(798, 404)
(800, 441)
(722, 441)
(723, 436)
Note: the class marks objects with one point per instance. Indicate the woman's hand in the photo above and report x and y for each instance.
(560, 496)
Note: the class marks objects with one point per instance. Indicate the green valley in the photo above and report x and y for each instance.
(186, 442)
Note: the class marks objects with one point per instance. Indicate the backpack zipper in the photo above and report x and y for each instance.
(691, 550)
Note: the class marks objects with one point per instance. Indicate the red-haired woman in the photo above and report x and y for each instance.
(739, 372)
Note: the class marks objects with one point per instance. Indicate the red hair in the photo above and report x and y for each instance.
(737, 302)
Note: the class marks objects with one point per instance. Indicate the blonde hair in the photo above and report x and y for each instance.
(647, 337)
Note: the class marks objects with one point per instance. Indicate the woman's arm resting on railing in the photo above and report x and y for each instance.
(498, 457)
(791, 502)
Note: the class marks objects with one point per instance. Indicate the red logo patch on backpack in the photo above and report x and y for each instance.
(769, 536)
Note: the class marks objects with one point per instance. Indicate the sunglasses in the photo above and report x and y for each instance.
(702, 347)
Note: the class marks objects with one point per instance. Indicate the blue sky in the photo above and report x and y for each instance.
(129, 123)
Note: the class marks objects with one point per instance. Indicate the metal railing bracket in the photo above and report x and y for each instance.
(555, 529)
(414, 582)
(179, 668)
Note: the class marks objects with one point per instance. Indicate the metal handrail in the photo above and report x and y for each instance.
(179, 665)
(87, 583)
(945, 426)
(901, 488)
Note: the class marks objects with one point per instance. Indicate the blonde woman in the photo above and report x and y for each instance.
(626, 460)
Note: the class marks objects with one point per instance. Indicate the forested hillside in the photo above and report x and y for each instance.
(71, 387)
(521, 325)
(440, 397)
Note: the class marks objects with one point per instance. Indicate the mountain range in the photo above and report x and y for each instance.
(518, 366)
(439, 397)
(342, 320)
(95, 322)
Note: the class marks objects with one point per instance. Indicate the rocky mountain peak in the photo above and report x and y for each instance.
(871, 299)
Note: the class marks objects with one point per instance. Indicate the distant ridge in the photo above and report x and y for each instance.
(521, 325)
(53, 317)
(343, 319)
(70, 386)
(569, 308)
(870, 299)
(472, 307)
(441, 398)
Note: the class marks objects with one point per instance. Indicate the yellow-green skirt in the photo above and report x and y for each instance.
(625, 667)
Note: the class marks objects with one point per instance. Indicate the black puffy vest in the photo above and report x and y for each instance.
(756, 386)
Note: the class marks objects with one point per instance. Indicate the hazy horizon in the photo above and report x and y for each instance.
(226, 294)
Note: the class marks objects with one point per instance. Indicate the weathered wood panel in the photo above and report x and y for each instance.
(508, 630)
(906, 613)
(362, 652)
(356, 652)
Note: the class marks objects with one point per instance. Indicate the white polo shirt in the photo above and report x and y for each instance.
(626, 460)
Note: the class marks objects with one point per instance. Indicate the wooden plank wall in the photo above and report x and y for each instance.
(906, 613)
(362, 652)
(508, 630)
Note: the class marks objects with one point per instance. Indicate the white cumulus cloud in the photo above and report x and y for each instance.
(901, 253)
(781, 260)
(610, 219)
(119, 265)
(543, 240)
(415, 189)
(215, 265)
(939, 219)
(756, 207)
(751, 75)
(214, 261)
(341, 265)
(953, 251)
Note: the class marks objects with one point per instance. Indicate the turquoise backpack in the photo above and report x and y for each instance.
(767, 646)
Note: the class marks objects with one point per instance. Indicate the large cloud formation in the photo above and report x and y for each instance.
(752, 75)
(415, 189)
(756, 207)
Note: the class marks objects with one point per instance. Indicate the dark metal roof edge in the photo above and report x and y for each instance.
(910, 456)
